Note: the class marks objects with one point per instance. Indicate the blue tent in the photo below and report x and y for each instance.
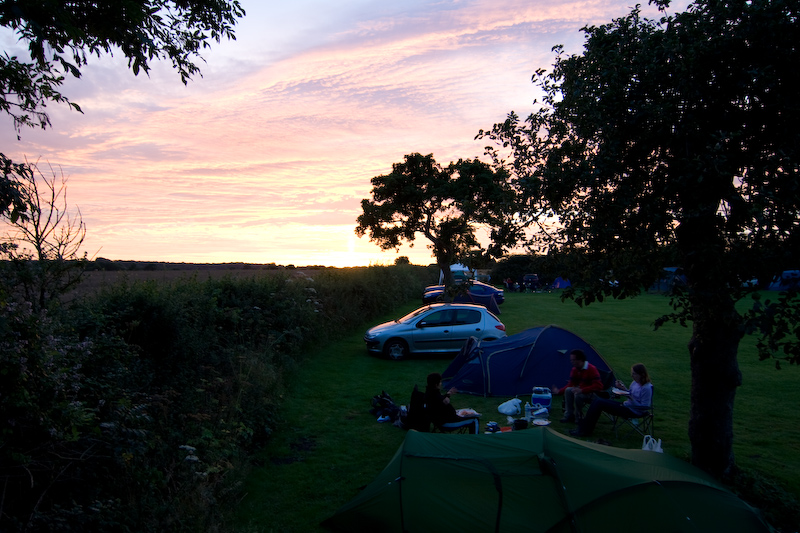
(486, 300)
(788, 279)
(512, 366)
(561, 283)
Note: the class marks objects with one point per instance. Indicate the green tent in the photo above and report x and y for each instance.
(539, 480)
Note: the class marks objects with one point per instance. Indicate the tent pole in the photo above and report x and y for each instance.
(546, 464)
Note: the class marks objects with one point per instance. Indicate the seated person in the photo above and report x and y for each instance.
(440, 411)
(584, 381)
(641, 397)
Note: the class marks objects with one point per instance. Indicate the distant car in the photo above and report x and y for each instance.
(530, 282)
(434, 293)
(432, 288)
(435, 328)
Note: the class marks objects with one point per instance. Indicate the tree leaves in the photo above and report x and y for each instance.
(445, 205)
(676, 140)
(62, 35)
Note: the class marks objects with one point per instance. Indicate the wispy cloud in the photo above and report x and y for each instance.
(267, 157)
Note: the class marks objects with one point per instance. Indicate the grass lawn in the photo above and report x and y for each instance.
(329, 445)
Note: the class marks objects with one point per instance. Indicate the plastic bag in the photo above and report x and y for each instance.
(651, 445)
(511, 407)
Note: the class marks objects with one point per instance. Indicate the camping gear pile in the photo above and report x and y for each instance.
(510, 407)
(652, 445)
(539, 480)
(541, 397)
(539, 406)
(384, 408)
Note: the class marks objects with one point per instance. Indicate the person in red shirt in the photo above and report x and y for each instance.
(584, 381)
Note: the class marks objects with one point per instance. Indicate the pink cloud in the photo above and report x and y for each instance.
(266, 158)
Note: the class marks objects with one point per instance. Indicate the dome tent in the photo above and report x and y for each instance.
(539, 480)
(513, 365)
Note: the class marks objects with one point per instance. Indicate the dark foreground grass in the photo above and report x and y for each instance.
(329, 445)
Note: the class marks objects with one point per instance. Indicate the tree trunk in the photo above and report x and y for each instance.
(444, 258)
(714, 345)
(715, 377)
(447, 276)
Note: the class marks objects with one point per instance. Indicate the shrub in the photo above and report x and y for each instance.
(137, 408)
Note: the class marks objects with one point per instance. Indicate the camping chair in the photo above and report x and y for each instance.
(608, 379)
(420, 419)
(417, 414)
(643, 425)
(461, 426)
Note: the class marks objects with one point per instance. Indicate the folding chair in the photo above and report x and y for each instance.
(608, 379)
(420, 418)
(643, 424)
(417, 413)
(461, 426)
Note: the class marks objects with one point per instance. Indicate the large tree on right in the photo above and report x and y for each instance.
(675, 142)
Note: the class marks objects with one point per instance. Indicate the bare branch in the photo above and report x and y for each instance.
(44, 246)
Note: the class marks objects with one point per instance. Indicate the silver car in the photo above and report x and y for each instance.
(435, 328)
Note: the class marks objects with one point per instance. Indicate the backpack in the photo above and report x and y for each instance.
(383, 406)
(417, 417)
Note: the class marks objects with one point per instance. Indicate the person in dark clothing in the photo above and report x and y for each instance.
(441, 411)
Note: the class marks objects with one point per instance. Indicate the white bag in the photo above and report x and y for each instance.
(652, 445)
(511, 407)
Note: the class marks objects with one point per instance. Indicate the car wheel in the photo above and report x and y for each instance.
(396, 349)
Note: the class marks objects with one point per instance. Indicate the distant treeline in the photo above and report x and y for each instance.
(113, 265)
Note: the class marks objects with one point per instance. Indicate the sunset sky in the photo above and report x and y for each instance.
(267, 156)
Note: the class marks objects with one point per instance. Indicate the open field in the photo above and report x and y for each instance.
(329, 445)
(94, 280)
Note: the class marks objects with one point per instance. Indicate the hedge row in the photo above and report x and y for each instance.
(136, 408)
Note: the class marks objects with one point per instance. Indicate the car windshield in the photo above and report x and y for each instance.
(412, 315)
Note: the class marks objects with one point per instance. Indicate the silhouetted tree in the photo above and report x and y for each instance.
(44, 246)
(445, 204)
(677, 138)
